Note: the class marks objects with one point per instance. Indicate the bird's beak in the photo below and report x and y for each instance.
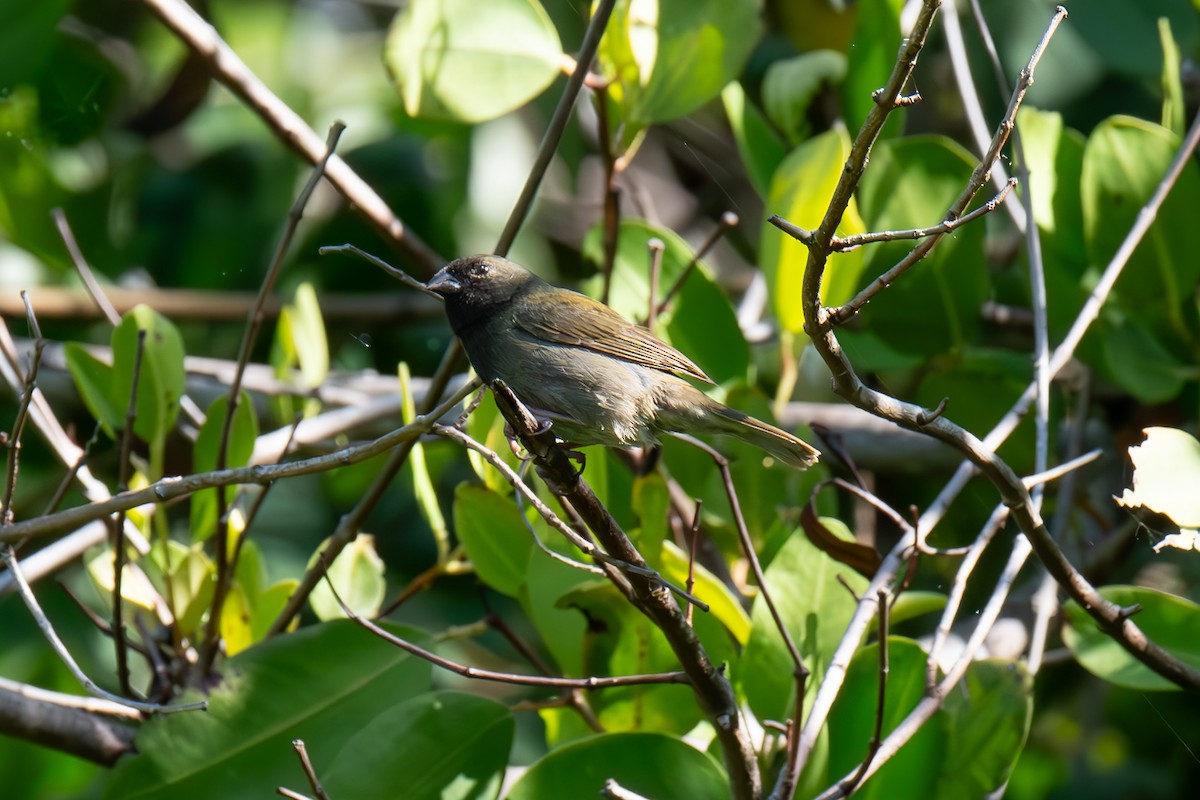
(443, 283)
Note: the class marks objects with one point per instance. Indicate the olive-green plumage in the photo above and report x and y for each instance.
(574, 361)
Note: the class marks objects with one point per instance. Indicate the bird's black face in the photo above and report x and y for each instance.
(477, 286)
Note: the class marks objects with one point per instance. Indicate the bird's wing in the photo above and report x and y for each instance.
(598, 328)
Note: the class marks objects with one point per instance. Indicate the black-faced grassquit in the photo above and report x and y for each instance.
(572, 360)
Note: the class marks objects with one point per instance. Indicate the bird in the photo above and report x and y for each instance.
(597, 378)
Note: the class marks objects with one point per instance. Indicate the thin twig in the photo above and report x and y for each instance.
(849, 785)
(395, 272)
(224, 564)
(556, 126)
(225, 65)
(729, 221)
(348, 526)
(959, 206)
(310, 773)
(656, 247)
(506, 677)
(56, 643)
(118, 529)
(972, 107)
(12, 441)
(695, 535)
(171, 488)
(841, 244)
(84, 269)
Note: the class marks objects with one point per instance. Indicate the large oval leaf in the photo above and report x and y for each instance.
(321, 685)
(469, 61)
(444, 745)
(1170, 621)
(1123, 162)
(669, 57)
(815, 607)
(800, 192)
(494, 536)
(652, 765)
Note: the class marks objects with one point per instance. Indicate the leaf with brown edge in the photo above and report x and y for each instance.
(859, 557)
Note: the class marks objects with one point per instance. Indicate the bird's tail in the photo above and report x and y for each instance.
(781, 444)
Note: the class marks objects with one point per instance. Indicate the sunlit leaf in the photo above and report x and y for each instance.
(161, 375)
(1166, 472)
(761, 148)
(469, 61)
(815, 607)
(800, 193)
(243, 431)
(669, 57)
(357, 574)
(1123, 162)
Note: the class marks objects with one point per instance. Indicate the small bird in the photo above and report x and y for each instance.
(598, 378)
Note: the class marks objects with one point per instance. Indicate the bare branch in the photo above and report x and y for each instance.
(202, 39)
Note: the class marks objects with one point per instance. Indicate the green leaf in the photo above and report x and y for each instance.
(652, 504)
(161, 377)
(561, 628)
(468, 61)
(915, 603)
(1123, 162)
(1054, 156)
(193, 581)
(815, 607)
(620, 640)
(1136, 360)
(243, 431)
(1174, 110)
(423, 489)
(761, 149)
(652, 765)
(791, 85)
(494, 536)
(1166, 472)
(322, 685)
(307, 328)
(357, 574)
(800, 193)
(934, 307)
(700, 322)
(444, 745)
(27, 38)
(94, 382)
(669, 57)
(916, 766)
(269, 604)
(870, 61)
(1171, 622)
(986, 721)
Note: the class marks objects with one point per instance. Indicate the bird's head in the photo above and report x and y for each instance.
(478, 285)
